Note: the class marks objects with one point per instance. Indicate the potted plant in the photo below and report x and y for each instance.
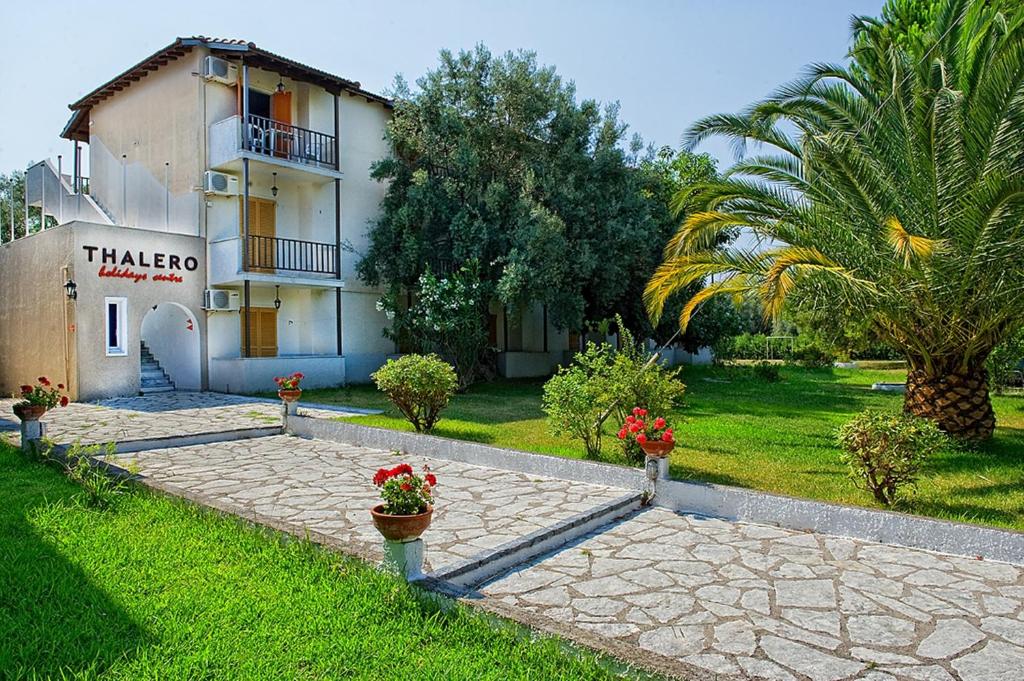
(408, 502)
(653, 436)
(288, 387)
(37, 399)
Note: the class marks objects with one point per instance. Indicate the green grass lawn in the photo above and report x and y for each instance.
(738, 430)
(156, 588)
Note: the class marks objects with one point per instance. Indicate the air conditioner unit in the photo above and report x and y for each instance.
(219, 300)
(220, 183)
(220, 70)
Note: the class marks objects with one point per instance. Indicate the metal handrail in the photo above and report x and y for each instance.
(294, 255)
(281, 140)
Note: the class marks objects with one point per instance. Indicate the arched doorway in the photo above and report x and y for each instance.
(171, 334)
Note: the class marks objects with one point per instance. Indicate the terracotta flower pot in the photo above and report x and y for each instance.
(657, 448)
(290, 395)
(401, 527)
(29, 412)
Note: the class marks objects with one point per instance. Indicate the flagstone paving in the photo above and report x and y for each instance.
(763, 602)
(325, 487)
(738, 599)
(168, 414)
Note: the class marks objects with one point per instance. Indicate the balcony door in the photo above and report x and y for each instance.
(281, 114)
(262, 233)
(262, 323)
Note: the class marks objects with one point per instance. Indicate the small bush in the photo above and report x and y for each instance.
(811, 355)
(633, 381)
(420, 386)
(576, 398)
(102, 486)
(885, 451)
(766, 371)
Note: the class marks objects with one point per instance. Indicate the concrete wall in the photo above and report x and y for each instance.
(171, 332)
(256, 374)
(102, 376)
(157, 124)
(35, 314)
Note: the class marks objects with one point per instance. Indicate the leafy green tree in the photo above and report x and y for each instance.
(894, 188)
(12, 195)
(494, 161)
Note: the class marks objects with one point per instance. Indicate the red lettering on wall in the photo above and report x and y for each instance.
(123, 273)
(136, 277)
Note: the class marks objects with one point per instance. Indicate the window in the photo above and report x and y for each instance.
(116, 311)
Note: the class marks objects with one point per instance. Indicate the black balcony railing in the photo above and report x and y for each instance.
(290, 142)
(268, 253)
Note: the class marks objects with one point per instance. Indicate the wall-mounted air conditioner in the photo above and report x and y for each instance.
(220, 70)
(220, 183)
(218, 300)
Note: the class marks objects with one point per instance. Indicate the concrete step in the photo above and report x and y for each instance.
(159, 389)
(471, 572)
(153, 372)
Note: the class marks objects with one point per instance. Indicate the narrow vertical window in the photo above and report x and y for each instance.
(116, 326)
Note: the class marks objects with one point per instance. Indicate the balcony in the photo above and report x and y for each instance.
(267, 140)
(271, 259)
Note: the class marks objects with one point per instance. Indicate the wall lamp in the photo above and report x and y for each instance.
(71, 288)
(273, 189)
(277, 297)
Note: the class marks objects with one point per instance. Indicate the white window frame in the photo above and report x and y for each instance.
(121, 349)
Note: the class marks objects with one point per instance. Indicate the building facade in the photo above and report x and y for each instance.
(213, 244)
(214, 240)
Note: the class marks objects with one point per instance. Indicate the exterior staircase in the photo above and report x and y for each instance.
(154, 380)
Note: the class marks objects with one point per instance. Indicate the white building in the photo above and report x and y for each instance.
(254, 168)
(214, 243)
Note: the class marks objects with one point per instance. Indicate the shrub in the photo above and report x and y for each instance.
(577, 398)
(1004, 364)
(634, 381)
(766, 371)
(419, 386)
(811, 355)
(885, 450)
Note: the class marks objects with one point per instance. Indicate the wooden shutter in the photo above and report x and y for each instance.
(281, 112)
(262, 331)
(262, 233)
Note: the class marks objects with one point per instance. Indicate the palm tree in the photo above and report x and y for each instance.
(892, 189)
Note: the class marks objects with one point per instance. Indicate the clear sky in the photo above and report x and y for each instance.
(666, 62)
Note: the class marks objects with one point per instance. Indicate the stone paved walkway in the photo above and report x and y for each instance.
(155, 416)
(739, 599)
(763, 602)
(325, 487)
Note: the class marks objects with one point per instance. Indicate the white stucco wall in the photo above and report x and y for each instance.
(157, 124)
(171, 332)
(107, 376)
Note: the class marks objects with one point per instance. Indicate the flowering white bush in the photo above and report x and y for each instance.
(447, 315)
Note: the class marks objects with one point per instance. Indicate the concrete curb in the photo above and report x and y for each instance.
(732, 503)
(473, 571)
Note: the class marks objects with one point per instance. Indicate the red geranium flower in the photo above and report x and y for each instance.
(406, 487)
(25, 389)
(431, 479)
(44, 380)
(60, 386)
(641, 438)
(623, 433)
(64, 400)
(659, 423)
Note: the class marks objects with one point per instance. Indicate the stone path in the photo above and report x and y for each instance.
(325, 487)
(159, 415)
(763, 602)
(709, 596)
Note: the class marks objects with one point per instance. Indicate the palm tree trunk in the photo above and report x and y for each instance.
(957, 402)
